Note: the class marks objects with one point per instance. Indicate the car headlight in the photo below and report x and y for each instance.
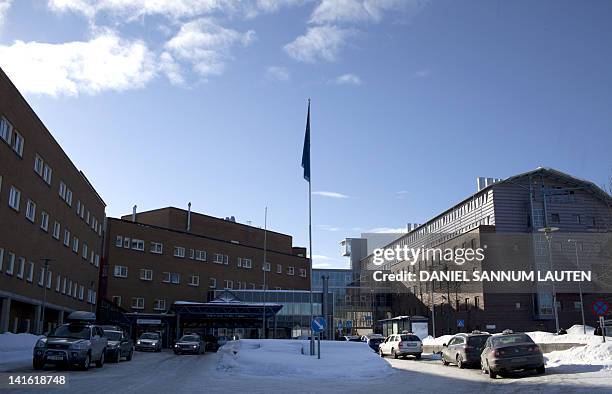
(154, 343)
(42, 342)
(138, 342)
(195, 346)
(81, 345)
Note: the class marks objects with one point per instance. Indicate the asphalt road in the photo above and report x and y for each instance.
(169, 374)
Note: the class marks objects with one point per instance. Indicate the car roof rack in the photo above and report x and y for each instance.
(81, 316)
(507, 332)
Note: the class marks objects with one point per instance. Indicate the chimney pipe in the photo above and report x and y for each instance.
(134, 214)
(189, 216)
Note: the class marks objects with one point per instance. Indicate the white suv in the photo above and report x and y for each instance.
(401, 345)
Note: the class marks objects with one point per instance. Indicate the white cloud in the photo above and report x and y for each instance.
(348, 79)
(277, 73)
(387, 230)
(173, 9)
(330, 194)
(106, 62)
(172, 69)
(319, 43)
(333, 11)
(206, 45)
(4, 7)
(328, 227)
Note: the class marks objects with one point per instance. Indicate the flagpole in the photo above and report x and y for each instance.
(263, 330)
(312, 343)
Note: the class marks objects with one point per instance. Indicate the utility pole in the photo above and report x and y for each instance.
(579, 285)
(265, 249)
(46, 262)
(548, 234)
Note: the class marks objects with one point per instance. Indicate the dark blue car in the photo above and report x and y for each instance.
(374, 342)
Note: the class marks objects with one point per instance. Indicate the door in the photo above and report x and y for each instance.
(447, 350)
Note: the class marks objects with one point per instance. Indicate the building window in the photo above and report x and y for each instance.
(120, 271)
(81, 292)
(137, 303)
(146, 274)
(159, 305)
(200, 255)
(20, 267)
(97, 260)
(266, 267)
(30, 275)
(279, 268)
(179, 251)
(117, 300)
(119, 241)
(62, 190)
(18, 143)
(476, 302)
(555, 218)
(290, 271)
(56, 230)
(138, 244)
(126, 243)
(75, 244)
(303, 272)
(85, 250)
(245, 263)
(6, 130)
(228, 284)
(58, 282)
(157, 248)
(49, 275)
(47, 173)
(221, 259)
(41, 277)
(31, 211)
(14, 198)
(44, 221)
(66, 237)
(175, 278)
(577, 305)
(212, 283)
(194, 280)
(191, 254)
(39, 165)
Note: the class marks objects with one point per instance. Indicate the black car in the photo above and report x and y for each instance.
(464, 349)
(76, 343)
(511, 351)
(190, 343)
(119, 345)
(374, 342)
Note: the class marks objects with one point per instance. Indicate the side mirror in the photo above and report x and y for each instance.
(444, 345)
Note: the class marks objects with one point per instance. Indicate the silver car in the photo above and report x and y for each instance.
(401, 345)
(149, 341)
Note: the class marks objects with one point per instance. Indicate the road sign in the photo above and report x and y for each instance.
(348, 324)
(600, 307)
(460, 323)
(318, 324)
(339, 325)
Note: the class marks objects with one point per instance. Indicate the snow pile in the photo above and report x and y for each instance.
(594, 354)
(439, 341)
(16, 347)
(286, 358)
(574, 335)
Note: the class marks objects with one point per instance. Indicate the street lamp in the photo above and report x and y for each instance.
(579, 285)
(46, 262)
(548, 234)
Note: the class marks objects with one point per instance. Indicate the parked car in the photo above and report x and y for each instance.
(149, 341)
(511, 352)
(374, 342)
(119, 345)
(190, 343)
(464, 349)
(401, 345)
(76, 343)
(351, 338)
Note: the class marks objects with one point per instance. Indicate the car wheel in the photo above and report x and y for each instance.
(380, 351)
(418, 356)
(444, 362)
(38, 364)
(86, 362)
(130, 355)
(394, 353)
(100, 362)
(118, 357)
(492, 373)
(541, 370)
(460, 363)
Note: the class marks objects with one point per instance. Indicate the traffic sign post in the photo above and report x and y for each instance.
(349, 326)
(600, 307)
(318, 325)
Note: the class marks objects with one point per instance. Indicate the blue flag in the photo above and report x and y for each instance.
(306, 151)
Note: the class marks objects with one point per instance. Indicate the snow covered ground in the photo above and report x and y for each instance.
(291, 358)
(16, 348)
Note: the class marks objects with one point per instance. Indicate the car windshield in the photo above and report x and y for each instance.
(477, 341)
(148, 335)
(76, 331)
(410, 338)
(505, 340)
(190, 338)
(113, 335)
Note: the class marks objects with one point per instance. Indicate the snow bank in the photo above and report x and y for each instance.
(15, 348)
(286, 358)
(574, 335)
(594, 354)
(439, 341)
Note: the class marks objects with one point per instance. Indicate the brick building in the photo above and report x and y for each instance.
(48, 210)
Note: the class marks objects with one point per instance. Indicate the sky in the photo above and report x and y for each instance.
(167, 102)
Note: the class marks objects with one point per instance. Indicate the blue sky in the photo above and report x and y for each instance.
(205, 101)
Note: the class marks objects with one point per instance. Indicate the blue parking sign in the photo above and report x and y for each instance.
(460, 323)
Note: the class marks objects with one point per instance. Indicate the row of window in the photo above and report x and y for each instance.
(43, 169)
(200, 255)
(575, 218)
(19, 267)
(11, 136)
